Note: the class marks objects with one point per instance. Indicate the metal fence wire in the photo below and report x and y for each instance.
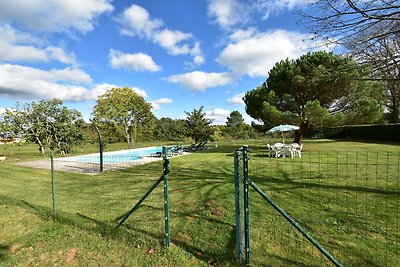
(348, 201)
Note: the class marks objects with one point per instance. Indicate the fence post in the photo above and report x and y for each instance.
(53, 189)
(237, 206)
(166, 197)
(246, 203)
(101, 146)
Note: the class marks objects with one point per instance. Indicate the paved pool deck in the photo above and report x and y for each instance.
(64, 165)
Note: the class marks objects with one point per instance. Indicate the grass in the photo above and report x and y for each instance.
(348, 201)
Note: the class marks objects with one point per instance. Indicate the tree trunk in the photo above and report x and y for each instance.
(128, 137)
(298, 135)
(41, 147)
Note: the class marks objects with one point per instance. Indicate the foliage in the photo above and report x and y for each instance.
(384, 132)
(316, 90)
(170, 129)
(369, 30)
(198, 126)
(48, 124)
(235, 125)
(350, 22)
(125, 109)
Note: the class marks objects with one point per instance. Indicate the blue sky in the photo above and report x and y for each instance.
(178, 54)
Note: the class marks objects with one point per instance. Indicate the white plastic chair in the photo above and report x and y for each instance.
(297, 149)
(288, 150)
(273, 151)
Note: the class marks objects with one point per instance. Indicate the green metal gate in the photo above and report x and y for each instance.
(242, 184)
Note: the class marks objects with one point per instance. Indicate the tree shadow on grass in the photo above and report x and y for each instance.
(4, 250)
(272, 182)
(108, 230)
(226, 257)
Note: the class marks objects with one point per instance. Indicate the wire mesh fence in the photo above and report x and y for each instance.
(75, 185)
(348, 201)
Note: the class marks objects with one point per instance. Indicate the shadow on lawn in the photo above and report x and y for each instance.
(276, 185)
(4, 249)
(107, 230)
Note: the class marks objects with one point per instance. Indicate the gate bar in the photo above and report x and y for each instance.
(297, 226)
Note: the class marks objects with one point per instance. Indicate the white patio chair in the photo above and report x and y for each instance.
(271, 152)
(288, 150)
(297, 149)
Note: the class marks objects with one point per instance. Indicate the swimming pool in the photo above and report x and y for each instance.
(121, 156)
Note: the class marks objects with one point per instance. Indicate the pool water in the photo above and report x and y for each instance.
(116, 156)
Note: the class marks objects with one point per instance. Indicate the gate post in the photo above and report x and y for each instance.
(166, 196)
(237, 205)
(246, 204)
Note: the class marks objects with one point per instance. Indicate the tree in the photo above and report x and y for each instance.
(170, 129)
(48, 124)
(235, 125)
(352, 22)
(381, 57)
(314, 91)
(198, 126)
(122, 107)
(370, 31)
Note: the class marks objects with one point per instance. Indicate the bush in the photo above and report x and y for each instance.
(368, 132)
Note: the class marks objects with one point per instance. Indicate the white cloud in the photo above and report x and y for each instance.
(2, 111)
(172, 41)
(200, 81)
(136, 21)
(20, 46)
(30, 83)
(242, 34)
(218, 115)
(135, 62)
(54, 15)
(255, 55)
(236, 99)
(100, 89)
(268, 7)
(156, 104)
(198, 60)
(228, 13)
(57, 53)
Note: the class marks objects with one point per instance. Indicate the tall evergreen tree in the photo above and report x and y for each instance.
(198, 126)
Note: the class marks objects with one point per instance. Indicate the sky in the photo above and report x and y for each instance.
(178, 54)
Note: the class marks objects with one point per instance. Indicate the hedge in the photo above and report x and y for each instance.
(369, 132)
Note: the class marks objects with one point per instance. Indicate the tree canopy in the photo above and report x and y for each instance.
(313, 91)
(47, 123)
(170, 129)
(354, 21)
(370, 31)
(123, 107)
(235, 125)
(198, 126)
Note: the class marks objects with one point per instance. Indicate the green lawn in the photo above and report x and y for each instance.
(344, 193)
